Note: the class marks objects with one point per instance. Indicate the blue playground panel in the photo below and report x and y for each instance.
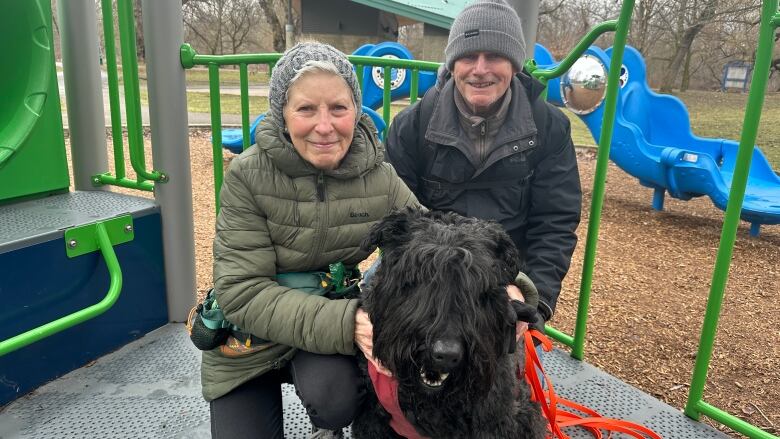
(33, 260)
(233, 138)
(400, 79)
(653, 142)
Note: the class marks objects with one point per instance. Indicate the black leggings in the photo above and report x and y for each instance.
(329, 386)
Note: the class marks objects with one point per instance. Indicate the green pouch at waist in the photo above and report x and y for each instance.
(339, 281)
(310, 282)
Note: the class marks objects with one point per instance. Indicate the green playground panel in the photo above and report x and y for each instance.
(32, 144)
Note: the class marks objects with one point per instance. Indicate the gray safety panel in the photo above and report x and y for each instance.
(151, 389)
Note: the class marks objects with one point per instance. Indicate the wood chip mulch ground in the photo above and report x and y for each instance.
(650, 288)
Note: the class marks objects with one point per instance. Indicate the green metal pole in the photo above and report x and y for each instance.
(123, 182)
(244, 79)
(115, 272)
(216, 129)
(586, 41)
(135, 134)
(599, 180)
(733, 422)
(113, 89)
(414, 85)
(557, 335)
(733, 208)
(359, 74)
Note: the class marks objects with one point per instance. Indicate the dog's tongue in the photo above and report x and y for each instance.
(386, 389)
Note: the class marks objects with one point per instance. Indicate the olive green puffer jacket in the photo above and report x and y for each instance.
(279, 214)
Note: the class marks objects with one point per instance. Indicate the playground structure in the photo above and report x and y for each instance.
(653, 140)
(160, 234)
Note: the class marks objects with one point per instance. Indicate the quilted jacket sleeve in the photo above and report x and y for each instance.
(244, 271)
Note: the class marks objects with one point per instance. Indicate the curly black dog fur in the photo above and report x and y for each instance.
(444, 326)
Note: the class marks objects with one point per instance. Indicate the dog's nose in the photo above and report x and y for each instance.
(447, 354)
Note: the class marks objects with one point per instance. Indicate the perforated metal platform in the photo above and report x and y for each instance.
(30, 222)
(151, 389)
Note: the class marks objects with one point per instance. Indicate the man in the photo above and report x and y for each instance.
(484, 143)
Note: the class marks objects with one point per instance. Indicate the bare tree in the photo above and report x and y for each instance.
(269, 9)
(220, 26)
(276, 14)
(692, 17)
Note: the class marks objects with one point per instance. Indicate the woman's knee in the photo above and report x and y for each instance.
(330, 388)
(334, 411)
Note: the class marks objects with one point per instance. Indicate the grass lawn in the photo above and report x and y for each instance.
(200, 76)
(199, 102)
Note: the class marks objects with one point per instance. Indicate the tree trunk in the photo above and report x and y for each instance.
(140, 48)
(277, 29)
(679, 57)
(686, 76)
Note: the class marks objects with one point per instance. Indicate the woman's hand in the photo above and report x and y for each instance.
(515, 294)
(364, 338)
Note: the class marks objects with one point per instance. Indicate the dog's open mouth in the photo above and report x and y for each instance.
(433, 380)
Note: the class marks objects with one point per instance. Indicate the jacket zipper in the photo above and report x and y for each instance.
(482, 142)
(319, 182)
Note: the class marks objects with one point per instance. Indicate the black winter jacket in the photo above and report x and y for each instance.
(528, 181)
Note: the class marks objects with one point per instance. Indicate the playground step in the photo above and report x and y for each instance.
(30, 222)
(151, 389)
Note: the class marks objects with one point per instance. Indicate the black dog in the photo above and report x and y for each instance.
(444, 325)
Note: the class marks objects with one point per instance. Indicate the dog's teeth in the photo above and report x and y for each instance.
(433, 383)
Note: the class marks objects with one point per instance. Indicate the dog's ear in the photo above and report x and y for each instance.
(390, 231)
(506, 252)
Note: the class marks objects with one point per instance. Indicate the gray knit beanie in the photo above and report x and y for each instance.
(294, 60)
(486, 26)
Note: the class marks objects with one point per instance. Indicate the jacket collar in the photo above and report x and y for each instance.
(365, 152)
(444, 126)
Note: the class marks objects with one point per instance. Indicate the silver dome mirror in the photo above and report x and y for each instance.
(584, 86)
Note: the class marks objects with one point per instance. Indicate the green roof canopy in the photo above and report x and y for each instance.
(436, 12)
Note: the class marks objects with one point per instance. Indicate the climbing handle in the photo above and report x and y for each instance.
(51, 328)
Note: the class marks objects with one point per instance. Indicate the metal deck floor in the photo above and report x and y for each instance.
(151, 389)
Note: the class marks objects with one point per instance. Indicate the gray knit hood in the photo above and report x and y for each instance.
(294, 60)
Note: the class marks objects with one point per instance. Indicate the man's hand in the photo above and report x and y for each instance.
(364, 338)
(521, 326)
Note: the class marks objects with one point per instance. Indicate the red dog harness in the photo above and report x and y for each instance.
(386, 389)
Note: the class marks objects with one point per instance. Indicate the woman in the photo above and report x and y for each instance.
(302, 198)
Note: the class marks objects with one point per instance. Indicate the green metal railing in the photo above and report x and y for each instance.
(126, 25)
(190, 59)
(79, 241)
(695, 407)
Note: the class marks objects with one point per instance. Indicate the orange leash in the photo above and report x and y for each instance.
(560, 419)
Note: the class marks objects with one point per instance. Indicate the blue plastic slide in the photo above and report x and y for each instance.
(653, 141)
